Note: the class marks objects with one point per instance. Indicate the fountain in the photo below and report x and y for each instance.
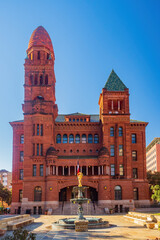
(80, 224)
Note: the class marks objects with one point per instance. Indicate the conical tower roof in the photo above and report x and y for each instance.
(114, 83)
(40, 37)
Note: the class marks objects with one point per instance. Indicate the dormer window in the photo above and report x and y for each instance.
(38, 55)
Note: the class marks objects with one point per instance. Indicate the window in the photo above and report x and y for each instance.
(37, 149)
(22, 139)
(65, 138)
(134, 140)
(120, 131)
(96, 138)
(135, 173)
(33, 129)
(112, 150)
(120, 150)
(118, 193)
(90, 138)
(20, 195)
(41, 79)
(41, 149)
(112, 170)
(37, 129)
(38, 55)
(58, 138)
(36, 79)
(134, 155)
(121, 170)
(46, 80)
(38, 194)
(84, 139)
(135, 194)
(71, 138)
(77, 139)
(31, 79)
(112, 131)
(41, 130)
(21, 174)
(33, 149)
(34, 170)
(21, 156)
(41, 170)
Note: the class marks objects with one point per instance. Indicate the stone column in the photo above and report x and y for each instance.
(75, 170)
(102, 170)
(92, 170)
(98, 170)
(69, 171)
(53, 170)
(57, 170)
(63, 170)
(87, 170)
(80, 168)
(47, 171)
(118, 105)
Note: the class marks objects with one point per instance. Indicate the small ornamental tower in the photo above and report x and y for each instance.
(115, 118)
(40, 110)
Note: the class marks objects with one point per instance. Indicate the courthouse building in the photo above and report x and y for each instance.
(109, 146)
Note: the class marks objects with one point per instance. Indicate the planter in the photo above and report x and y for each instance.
(2, 232)
(150, 225)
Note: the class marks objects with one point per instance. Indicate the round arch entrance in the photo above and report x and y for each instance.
(66, 194)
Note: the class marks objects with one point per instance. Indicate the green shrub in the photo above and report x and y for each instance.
(20, 234)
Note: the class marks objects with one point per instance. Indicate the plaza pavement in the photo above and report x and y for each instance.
(120, 229)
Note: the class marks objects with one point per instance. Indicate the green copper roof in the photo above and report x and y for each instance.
(114, 83)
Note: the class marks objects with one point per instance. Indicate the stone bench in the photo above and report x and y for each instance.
(12, 225)
(4, 221)
(146, 220)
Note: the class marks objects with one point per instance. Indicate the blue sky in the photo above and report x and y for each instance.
(90, 38)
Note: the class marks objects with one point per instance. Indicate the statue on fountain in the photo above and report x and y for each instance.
(79, 176)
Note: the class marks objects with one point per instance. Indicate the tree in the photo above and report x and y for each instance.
(156, 193)
(153, 178)
(5, 195)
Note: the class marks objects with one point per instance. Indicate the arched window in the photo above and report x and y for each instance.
(118, 193)
(38, 194)
(46, 79)
(77, 140)
(22, 138)
(96, 138)
(58, 138)
(36, 79)
(90, 138)
(31, 80)
(65, 138)
(38, 55)
(71, 138)
(112, 131)
(41, 79)
(84, 139)
(120, 131)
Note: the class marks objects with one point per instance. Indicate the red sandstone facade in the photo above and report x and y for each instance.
(110, 146)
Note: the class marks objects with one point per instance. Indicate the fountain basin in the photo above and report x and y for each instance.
(69, 223)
